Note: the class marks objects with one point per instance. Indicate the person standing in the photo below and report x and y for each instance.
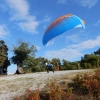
(49, 67)
(57, 67)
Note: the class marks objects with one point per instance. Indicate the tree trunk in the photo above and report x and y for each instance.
(19, 69)
(1, 70)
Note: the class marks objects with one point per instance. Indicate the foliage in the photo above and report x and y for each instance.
(22, 52)
(54, 92)
(29, 95)
(40, 61)
(70, 65)
(4, 61)
(35, 64)
(3, 52)
(24, 56)
(90, 61)
(56, 61)
(85, 86)
(88, 84)
(59, 92)
(97, 52)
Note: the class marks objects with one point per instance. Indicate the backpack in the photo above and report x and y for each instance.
(48, 65)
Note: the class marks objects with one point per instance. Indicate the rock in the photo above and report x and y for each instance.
(20, 71)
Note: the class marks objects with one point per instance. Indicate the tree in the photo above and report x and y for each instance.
(35, 64)
(66, 64)
(56, 63)
(21, 53)
(97, 52)
(40, 62)
(4, 62)
(90, 61)
(28, 64)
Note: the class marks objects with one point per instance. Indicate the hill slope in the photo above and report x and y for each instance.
(14, 85)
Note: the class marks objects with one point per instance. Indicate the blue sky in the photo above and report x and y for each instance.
(28, 20)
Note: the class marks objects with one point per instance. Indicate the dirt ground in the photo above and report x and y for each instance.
(16, 85)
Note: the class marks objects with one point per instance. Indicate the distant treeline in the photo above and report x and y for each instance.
(24, 57)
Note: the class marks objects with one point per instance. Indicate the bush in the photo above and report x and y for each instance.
(87, 84)
(84, 87)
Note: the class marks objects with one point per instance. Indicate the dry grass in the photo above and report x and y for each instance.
(55, 90)
(16, 86)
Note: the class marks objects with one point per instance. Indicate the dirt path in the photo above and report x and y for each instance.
(15, 85)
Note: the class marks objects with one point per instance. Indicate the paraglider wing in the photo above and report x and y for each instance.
(60, 25)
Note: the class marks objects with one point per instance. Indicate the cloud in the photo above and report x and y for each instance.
(74, 37)
(3, 7)
(86, 44)
(84, 3)
(19, 11)
(46, 19)
(20, 7)
(73, 51)
(64, 53)
(3, 31)
(97, 24)
(87, 3)
(62, 1)
(29, 26)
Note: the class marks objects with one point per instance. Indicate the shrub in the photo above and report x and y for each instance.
(84, 87)
(87, 84)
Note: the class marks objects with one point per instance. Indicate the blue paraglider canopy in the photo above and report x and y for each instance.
(60, 25)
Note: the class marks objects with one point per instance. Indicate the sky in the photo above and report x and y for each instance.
(28, 20)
